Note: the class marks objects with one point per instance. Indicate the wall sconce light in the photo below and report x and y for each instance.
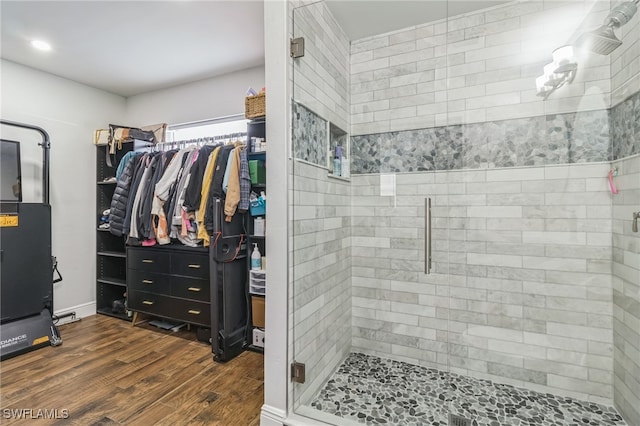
(557, 73)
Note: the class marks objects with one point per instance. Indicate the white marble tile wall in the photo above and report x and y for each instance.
(521, 290)
(319, 245)
(626, 291)
(321, 259)
(474, 68)
(321, 77)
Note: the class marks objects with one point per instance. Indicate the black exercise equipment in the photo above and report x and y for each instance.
(228, 266)
(26, 264)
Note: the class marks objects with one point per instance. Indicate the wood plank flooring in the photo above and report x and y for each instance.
(109, 373)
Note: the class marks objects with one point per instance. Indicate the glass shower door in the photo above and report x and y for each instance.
(321, 209)
(530, 318)
(527, 305)
(370, 243)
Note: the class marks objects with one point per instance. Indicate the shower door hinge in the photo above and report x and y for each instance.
(296, 48)
(297, 372)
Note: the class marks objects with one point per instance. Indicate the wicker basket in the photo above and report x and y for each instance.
(254, 106)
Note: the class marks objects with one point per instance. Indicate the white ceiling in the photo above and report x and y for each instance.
(133, 47)
(364, 18)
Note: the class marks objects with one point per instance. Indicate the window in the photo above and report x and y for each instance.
(208, 128)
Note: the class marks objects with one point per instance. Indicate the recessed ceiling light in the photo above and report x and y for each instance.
(40, 45)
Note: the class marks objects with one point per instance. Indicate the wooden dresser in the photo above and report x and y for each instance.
(170, 282)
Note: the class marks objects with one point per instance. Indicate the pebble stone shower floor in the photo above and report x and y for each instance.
(373, 390)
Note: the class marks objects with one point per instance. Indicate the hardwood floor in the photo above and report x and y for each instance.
(109, 373)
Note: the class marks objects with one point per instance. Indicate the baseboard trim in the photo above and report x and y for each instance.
(304, 416)
(84, 310)
(271, 416)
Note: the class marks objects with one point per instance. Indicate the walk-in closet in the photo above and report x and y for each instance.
(157, 160)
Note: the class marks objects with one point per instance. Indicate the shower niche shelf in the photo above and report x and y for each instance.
(316, 141)
(338, 138)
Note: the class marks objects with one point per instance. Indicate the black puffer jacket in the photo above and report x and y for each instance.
(121, 197)
(192, 195)
(215, 190)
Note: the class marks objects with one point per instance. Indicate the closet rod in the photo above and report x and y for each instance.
(205, 139)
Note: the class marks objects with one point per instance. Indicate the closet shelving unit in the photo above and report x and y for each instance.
(255, 128)
(110, 250)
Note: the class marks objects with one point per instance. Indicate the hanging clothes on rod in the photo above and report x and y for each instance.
(172, 189)
(227, 138)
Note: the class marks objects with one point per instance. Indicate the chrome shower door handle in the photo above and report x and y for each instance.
(634, 223)
(427, 236)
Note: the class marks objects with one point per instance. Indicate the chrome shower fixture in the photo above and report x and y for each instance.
(603, 40)
(557, 73)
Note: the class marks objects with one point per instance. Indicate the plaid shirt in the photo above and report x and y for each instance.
(245, 182)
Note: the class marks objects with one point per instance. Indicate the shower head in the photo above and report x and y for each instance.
(603, 41)
(622, 13)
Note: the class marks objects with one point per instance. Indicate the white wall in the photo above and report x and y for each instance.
(69, 112)
(215, 97)
(277, 75)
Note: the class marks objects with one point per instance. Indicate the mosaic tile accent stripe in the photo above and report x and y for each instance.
(373, 390)
(580, 137)
(625, 127)
(309, 135)
(589, 136)
(589, 139)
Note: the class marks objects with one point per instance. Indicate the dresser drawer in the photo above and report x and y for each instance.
(148, 260)
(148, 302)
(148, 281)
(190, 311)
(190, 288)
(190, 265)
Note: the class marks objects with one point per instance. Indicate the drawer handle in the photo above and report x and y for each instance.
(147, 302)
(194, 266)
(196, 289)
(147, 281)
(147, 260)
(191, 311)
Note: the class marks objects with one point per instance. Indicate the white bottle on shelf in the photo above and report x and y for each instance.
(256, 258)
(258, 226)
